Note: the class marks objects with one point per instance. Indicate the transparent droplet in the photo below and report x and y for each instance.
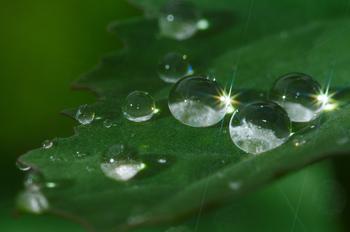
(179, 19)
(85, 115)
(81, 155)
(47, 144)
(196, 101)
(259, 127)
(139, 106)
(162, 161)
(298, 94)
(299, 141)
(107, 123)
(118, 163)
(22, 166)
(122, 170)
(173, 67)
(32, 201)
(33, 180)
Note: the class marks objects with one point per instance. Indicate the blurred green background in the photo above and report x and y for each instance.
(45, 46)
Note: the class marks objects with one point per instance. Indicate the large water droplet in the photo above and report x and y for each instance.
(179, 19)
(85, 115)
(173, 67)
(32, 201)
(118, 163)
(139, 106)
(47, 144)
(196, 101)
(259, 127)
(298, 94)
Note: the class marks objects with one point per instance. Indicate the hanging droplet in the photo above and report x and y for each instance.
(85, 115)
(118, 163)
(298, 94)
(32, 201)
(139, 107)
(47, 144)
(22, 166)
(259, 127)
(198, 102)
(179, 19)
(34, 180)
(173, 67)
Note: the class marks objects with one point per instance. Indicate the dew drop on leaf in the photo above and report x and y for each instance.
(107, 123)
(80, 155)
(47, 144)
(139, 106)
(259, 127)
(118, 163)
(179, 19)
(298, 94)
(85, 115)
(196, 101)
(173, 67)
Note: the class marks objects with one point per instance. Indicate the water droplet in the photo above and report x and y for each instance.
(179, 19)
(85, 115)
(33, 180)
(196, 101)
(162, 161)
(173, 67)
(139, 107)
(81, 155)
(108, 123)
(47, 144)
(234, 185)
(298, 94)
(22, 166)
(299, 141)
(32, 201)
(118, 163)
(259, 127)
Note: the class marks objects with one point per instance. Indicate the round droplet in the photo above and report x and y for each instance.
(32, 201)
(299, 95)
(22, 166)
(139, 106)
(47, 144)
(173, 67)
(118, 163)
(179, 19)
(299, 141)
(198, 102)
(259, 127)
(85, 115)
(108, 123)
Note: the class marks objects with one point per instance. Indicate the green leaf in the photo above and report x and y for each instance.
(253, 40)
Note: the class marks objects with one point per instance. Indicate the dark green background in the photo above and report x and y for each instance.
(45, 46)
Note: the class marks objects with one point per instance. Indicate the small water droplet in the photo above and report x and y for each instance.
(107, 123)
(234, 185)
(259, 127)
(196, 101)
(299, 141)
(179, 19)
(85, 115)
(22, 166)
(47, 144)
(162, 161)
(80, 155)
(297, 93)
(173, 67)
(32, 201)
(33, 180)
(54, 158)
(139, 107)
